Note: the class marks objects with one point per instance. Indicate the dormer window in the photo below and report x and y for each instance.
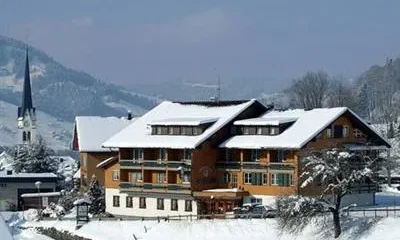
(184, 126)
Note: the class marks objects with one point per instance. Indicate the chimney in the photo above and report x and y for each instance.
(129, 115)
(9, 172)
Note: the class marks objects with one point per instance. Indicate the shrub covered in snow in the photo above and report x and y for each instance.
(68, 198)
(53, 210)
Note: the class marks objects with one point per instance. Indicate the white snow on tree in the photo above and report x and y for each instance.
(332, 175)
(34, 158)
(96, 195)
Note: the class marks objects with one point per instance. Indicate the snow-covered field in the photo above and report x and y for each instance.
(354, 227)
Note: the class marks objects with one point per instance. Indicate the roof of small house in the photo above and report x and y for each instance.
(107, 162)
(138, 134)
(92, 131)
(308, 124)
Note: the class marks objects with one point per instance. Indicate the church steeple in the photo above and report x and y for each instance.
(26, 113)
(26, 103)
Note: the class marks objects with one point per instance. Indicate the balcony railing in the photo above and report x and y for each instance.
(154, 164)
(254, 165)
(155, 187)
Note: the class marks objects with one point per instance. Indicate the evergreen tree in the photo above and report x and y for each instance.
(34, 158)
(96, 195)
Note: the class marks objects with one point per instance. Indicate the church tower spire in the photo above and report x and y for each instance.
(26, 113)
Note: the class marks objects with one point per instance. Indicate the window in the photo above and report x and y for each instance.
(338, 131)
(282, 179)
(256, 200)
(160, 203)
(137, 154)
(255, 154)
(281, 155)
(136, 177)
(227, 177)
(129, 202)
(163, 154)
(158, 130)
(24, 136)
(188, 205)
(170, 130)
(187, 154)
(115, 201)
(259, 131)
(161, 177)
(29, 136)
(265, 179)
(187, 130)
(246, 131)
(274, 179)
(197, 131)
(247, 178)
(174, 204)
(115, 175)
(357, 133)
(329, 132)
(142, 202)
(257, 179)
(274, 131)
(345, 131)
(234, 180)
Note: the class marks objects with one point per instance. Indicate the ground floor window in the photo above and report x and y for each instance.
(174, 204)
(160, 203)
(256, 200)
(254, 178)
(142, 202)
(188, 205)
(115, 201)
(129, 202)
(282, 179)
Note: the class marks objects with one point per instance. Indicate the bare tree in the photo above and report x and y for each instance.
(340, 93)
(310, 90)
(336, 174)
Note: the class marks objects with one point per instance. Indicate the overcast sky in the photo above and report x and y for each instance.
(128, 42)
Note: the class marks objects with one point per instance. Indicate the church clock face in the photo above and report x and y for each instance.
(26, 124)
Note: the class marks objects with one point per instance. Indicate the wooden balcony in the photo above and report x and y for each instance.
(184, 188)
(154, 164)
(254, 165)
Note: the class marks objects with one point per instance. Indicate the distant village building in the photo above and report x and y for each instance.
(89, 134)
(184, 158)
(26, 113)
(13, 185)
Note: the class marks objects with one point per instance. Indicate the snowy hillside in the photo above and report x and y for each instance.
(57, 133)
(60, 91)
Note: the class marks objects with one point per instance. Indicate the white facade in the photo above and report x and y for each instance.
(27, 127)
(151, 206)
(361, 199)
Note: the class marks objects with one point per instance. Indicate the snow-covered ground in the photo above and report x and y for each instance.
(354, 227)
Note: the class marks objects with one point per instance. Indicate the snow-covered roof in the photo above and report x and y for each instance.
(138, 134)
(265, 121)
(193, 121)
(82, 200)
(92, 131)
(44, 194)
(106, 162)
(4, 174)
(5, 230)
(77, 174)
(307, 126)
